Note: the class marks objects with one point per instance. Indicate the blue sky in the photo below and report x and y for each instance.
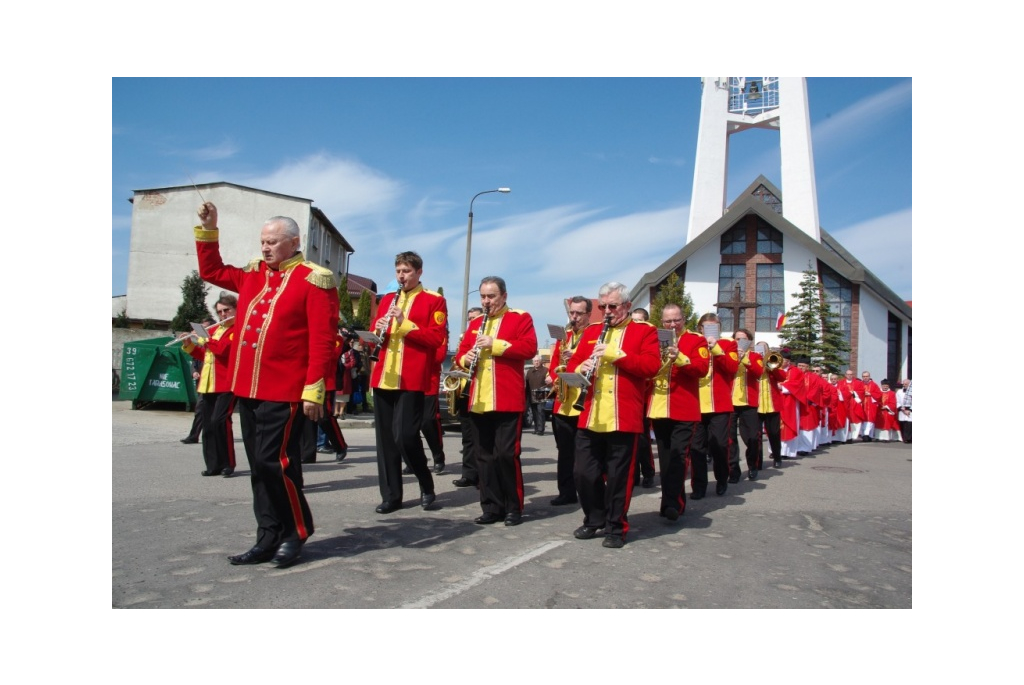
(600, 169)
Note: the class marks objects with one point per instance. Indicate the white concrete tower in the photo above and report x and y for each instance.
(731, 104)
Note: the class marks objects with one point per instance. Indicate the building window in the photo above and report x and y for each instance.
(769, 240)
(729, 275)
(771, 296)
(838, 293)
(894, 345)
(734, 241)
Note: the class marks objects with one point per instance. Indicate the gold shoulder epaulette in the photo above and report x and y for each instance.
(319, 276)
(517, 311)
(253, 265)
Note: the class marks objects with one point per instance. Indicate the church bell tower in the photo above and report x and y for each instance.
(732, 104)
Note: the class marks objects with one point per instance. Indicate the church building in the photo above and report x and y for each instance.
(747, 260)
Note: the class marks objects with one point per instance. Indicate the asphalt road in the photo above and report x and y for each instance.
(832, 530)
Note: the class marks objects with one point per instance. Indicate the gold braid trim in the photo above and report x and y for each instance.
(205, 236)
(253, 265)
(320, 277)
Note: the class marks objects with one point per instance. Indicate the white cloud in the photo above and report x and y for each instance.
(884, 246)
(342, 188)
(222, 150)
(849, 125)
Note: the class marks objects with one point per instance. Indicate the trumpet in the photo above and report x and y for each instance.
(581, 400)
(472, 365)
(375, 352)
(773, 361)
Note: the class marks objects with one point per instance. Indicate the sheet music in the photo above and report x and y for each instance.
(712, 330)
(369, 336)
(573, 379)
(201, 331)
(666, 337)
(556, 332)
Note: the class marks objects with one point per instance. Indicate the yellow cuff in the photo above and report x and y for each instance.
(717, 350)
(316, 392)
(205, 236)
(498, 347)
(682, 360)
(404, 330)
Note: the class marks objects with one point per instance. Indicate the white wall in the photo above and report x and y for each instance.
(163, 249)
(873, 333)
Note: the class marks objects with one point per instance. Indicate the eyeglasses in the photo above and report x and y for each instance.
(223, 311)
(671, 320)
(609, 307)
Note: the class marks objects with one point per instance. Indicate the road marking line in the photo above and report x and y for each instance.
(480, 576)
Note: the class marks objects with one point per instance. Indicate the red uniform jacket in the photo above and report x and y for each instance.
(770, 399)
(286, 323)
(408, 355)
(810, 412)
(568, 394)
(498, 382)
(872, 396)
(885, 417)
(716, 386)
(746, 386)
(615, 401)
(676, 391)
(215, 353)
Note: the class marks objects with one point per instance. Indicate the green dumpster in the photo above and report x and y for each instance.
(152, 372)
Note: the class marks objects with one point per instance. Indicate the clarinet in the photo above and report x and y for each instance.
(375, 352)
(472, 365)
(581, 400)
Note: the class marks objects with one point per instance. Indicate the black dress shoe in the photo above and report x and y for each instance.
(648, 482)
(513, 518)
(752, 474)
(439, 466)
(562, 500)
(426, 499)
(734, 476)
(464, 483)
(227, 473)
(215, 472)
(671, 513)
(190, 441)
(256, 555)
(340, 456)
(720, 488)
(288, 553)
(696, 495)
(585, 532)
(613, 541)
(777, 463)
(406, 471)
(487, 518)
(309, 460)
(388, 507)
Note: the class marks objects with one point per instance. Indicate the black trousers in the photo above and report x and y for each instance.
(431, 428)
(714, 433)
(675, 443)
(469, 469)
(218, 439)
(398, 415)
(330, 427)
(771, 423)
(645, 453)
(537, 411)
(197, 420)
(564, 428)
(906, 428)
(271, 432)
(746, 423)
(497, 436)
(604, 478)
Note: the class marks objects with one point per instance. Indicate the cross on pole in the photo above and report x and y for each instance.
(736, 306)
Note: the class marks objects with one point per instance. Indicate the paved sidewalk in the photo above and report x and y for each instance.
(832, 530)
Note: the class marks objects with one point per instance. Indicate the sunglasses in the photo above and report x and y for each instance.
(609, 307)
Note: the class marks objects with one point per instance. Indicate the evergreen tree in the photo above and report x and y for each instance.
(345, 310)
(810, 329)
(673, 291)
(364, 311)
(193, 303)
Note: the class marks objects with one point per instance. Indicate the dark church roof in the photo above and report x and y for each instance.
(755, 201)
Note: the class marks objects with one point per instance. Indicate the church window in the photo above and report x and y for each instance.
(734, 241)
(771, 296)
(728, 276)
(769, 240)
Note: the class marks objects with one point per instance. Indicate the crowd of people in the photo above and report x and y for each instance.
(279, 355)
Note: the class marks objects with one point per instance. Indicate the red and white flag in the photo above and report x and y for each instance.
(780, 321)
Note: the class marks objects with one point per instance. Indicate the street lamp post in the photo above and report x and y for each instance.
(469, 243)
